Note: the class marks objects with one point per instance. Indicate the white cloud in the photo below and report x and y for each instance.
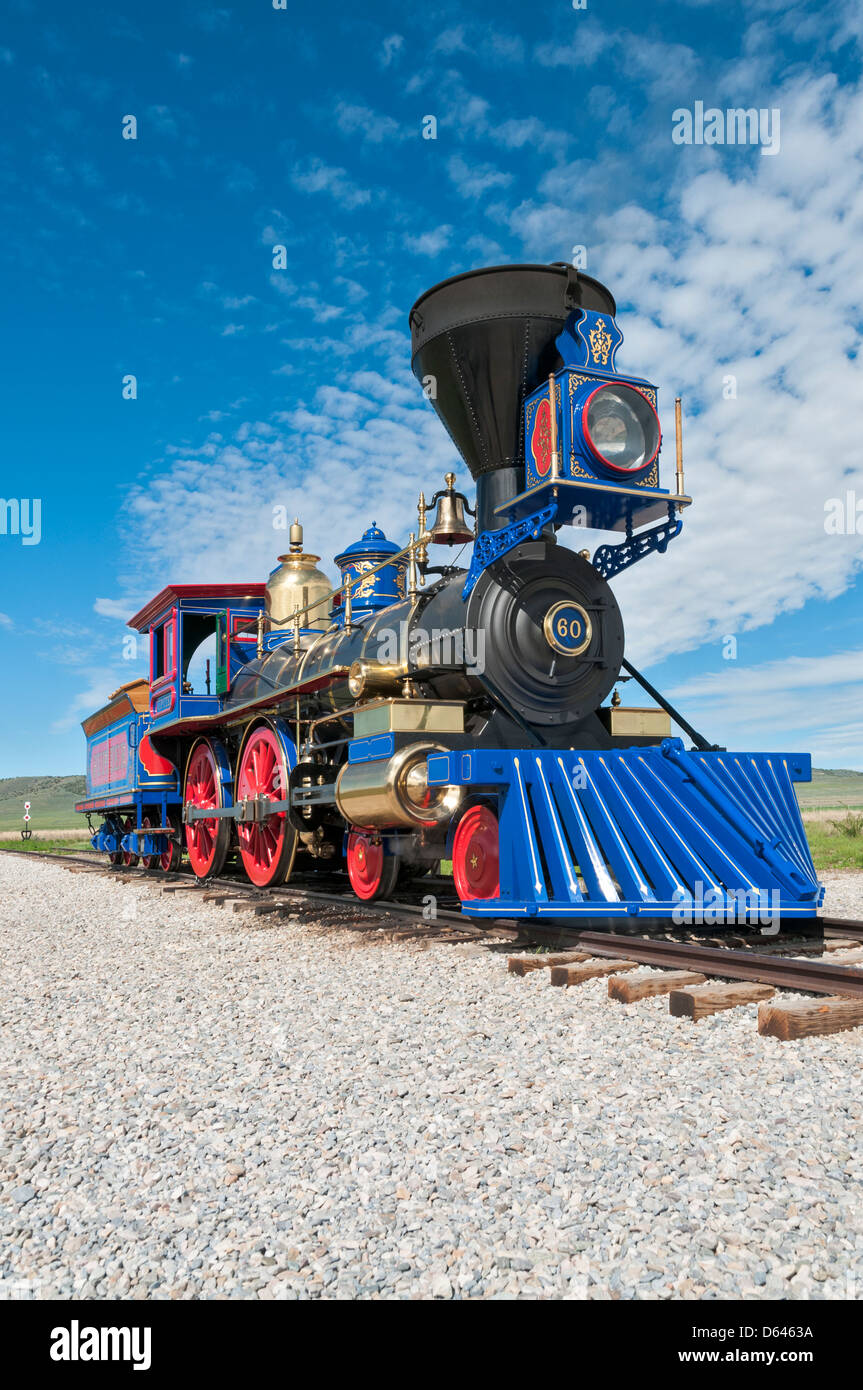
(659, 66)
(809, 704)
(755, 274)
(314, 176)
(119, 608)
(429, 243)
(391, 50)
(768, 678)
(451, 40)
(320, 312)
(473, 180)
(482, 41)
(5, 620)
(101, 681)
(350, 453)
(370, 125)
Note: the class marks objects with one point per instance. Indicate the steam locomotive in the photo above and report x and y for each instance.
(421, 715)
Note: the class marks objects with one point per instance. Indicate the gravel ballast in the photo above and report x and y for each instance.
(202, 1104)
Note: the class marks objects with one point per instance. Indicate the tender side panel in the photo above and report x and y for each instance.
(111, 758)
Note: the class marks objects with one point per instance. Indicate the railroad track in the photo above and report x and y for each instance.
(690, 968)
(239, 893)
(847, 928)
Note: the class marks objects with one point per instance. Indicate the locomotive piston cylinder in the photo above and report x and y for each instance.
(390, 792)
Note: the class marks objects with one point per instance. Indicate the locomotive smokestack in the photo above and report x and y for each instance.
(486, 339)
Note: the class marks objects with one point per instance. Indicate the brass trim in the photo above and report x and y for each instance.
(548, 628)
(411, 716)
(678, 442)
(369, 678)
(633, 721)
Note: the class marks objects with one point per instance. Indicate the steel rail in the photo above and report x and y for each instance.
(841, 926)
(783, 971)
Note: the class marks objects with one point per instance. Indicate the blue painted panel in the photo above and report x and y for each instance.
(367, 750)
(698, 838)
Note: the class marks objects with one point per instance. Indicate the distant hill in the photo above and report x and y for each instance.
(52, 801)
(835, 786)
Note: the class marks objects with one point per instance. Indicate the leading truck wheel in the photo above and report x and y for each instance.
(372, 873)
(475, 855)
(168, 861)
(129, 859)
(115, 857)
(267, 846)
(207, 841)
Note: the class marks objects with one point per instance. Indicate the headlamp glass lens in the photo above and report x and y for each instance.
(622, 427)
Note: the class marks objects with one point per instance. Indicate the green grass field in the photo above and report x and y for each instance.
(832, 787)
(836, 839)
(52, 802)
(47, 846)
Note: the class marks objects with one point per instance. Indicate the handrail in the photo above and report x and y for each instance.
(409, 550)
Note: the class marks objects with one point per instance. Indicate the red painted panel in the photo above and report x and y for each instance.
(171, 632)
(109, 760)
(156, 765)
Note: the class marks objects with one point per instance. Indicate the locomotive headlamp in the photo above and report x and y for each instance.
(621, 428)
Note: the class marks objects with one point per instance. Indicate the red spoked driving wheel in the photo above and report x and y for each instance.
(206, 840)
(475, 855)
(129, 859)
(267, 846)
(372, 873)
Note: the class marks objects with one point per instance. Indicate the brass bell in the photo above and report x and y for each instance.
(450, 526)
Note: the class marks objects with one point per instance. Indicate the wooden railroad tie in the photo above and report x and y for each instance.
(250, 905)
(525, 965)
(851, 957)
(702, 1000)
(805, 1018)
(592, 969)
(626, 989)
(839, 943)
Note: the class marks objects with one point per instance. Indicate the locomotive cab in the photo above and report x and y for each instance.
(184, 624)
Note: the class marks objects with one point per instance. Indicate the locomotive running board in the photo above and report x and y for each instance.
(697, 839)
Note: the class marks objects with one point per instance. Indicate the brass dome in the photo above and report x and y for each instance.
(295, 584)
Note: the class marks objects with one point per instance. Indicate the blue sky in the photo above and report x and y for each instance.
(258, 388)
